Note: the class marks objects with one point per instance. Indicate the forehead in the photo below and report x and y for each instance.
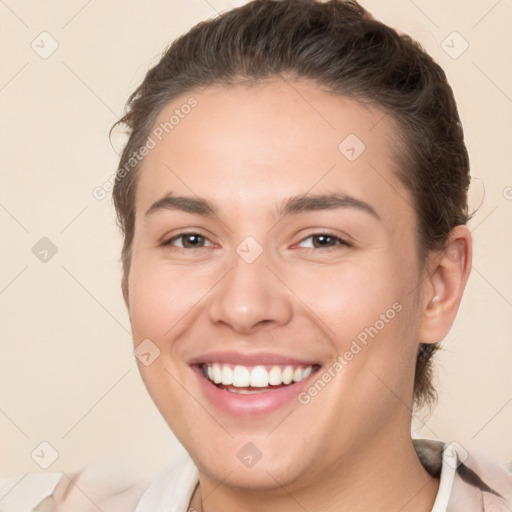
(249, 146)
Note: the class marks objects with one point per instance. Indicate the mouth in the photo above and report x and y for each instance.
(253, 389)
(254, 379)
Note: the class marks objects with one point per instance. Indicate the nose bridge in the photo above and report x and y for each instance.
(250, 295)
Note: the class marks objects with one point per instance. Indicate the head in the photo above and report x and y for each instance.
(293, 99)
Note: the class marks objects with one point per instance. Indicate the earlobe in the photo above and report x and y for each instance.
(442, 290)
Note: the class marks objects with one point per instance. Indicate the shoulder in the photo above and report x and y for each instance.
(25, 492)
(492, 480)
(475, 481)
(172, 490)
(97, 486)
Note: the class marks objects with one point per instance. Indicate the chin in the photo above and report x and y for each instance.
(265, 474)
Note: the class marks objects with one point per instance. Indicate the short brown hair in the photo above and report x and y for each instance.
(337, 45)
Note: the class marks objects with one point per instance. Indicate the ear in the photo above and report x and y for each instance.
(447, 274)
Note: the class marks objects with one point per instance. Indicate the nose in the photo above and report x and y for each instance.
(250, 297)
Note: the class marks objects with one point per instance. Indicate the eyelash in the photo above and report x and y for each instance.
(342, 242)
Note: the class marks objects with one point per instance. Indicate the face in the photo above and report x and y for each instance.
(274, 253)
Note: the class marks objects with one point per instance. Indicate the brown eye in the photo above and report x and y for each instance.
(325, 240)
(188, 241)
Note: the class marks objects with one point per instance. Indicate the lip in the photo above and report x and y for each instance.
(251, 405)
(250, 359)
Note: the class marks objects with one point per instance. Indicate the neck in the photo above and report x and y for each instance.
(377, 478)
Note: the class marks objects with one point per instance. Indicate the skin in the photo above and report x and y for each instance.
(247, 149)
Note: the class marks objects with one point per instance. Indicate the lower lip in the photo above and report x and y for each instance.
(253, 404)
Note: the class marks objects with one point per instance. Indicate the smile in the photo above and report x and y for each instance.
(252, 386)
(260, 378)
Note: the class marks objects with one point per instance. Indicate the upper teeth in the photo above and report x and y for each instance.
(257, 376)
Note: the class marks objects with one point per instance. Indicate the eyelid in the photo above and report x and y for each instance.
(344, 241)
(167, 241)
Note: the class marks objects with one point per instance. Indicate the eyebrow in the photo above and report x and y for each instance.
(290, 206)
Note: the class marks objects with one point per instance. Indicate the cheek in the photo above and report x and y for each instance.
(163, 298)
(349, 298)
(366, 310)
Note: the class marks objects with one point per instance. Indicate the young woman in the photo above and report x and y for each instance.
(293, 200)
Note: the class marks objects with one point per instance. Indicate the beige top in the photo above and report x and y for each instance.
(475, 485)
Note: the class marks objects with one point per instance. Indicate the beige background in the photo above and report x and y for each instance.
(67, 373)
